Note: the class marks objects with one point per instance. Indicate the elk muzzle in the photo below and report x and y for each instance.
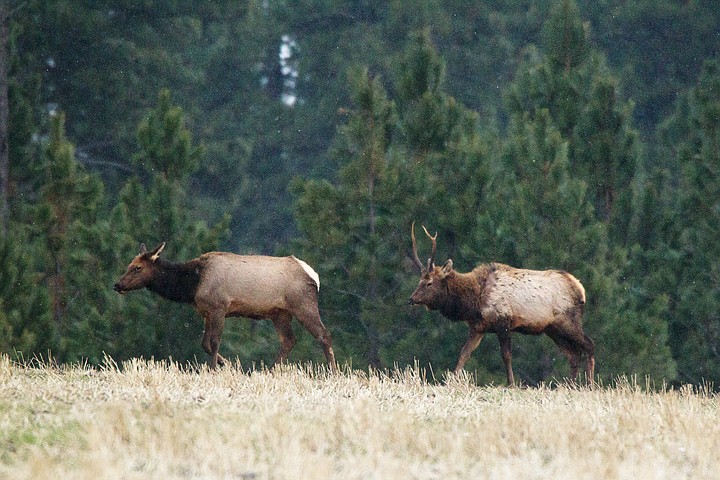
(414, 300)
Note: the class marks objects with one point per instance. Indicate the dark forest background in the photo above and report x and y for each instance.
(579, 135)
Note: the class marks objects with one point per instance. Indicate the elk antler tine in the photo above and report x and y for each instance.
(428, 233)
(416, 259)
(431, 260)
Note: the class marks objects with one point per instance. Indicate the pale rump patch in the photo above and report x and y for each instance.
(578, 285)
(308, 269)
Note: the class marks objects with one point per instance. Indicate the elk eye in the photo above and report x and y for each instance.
(137, 268)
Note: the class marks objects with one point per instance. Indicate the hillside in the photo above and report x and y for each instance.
(160, 420)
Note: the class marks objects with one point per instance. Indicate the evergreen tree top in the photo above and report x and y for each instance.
(565, 37)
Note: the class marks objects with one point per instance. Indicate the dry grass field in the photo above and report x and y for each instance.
(163, 421)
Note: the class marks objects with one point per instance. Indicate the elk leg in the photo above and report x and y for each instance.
(569, 348)
(211, 339)
(471, 344)
(506, 351)
(573, 357)
(589, 348)
(580, 344)
(311, 321)
(283, 326)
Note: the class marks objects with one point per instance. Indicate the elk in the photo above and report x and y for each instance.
(221, 284)
(497, 298)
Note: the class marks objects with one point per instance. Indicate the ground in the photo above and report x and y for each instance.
(147, 419)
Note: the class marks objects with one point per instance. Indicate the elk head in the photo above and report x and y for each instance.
(141, 270)
(431, 290)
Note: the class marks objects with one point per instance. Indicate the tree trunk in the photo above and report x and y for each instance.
(4, 117)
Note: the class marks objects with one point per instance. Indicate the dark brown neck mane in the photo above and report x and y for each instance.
(464, 293)
(176, 281)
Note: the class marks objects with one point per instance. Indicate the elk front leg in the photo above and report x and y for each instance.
(506, 351)
(211, 339)
(471, 344)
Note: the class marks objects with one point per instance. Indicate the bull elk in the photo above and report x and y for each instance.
(497, 298)
(221, 284)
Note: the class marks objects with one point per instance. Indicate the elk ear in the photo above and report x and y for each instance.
(143, 249)
(156, 253)
(447, 268)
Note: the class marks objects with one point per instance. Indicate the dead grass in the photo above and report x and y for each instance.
(160, 420)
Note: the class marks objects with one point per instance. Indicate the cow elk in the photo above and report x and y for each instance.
(497, 298)
(220, 285)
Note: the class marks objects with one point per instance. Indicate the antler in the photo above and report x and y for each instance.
(414, 246)
(431, 260)
(416, 258)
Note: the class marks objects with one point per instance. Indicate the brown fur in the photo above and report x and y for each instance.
(220, 285)
(497, 298)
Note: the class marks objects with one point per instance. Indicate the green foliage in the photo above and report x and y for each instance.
(165, 143)
(503, 127)
(544, 213)
(657, 48)
(356, 230)
(25, 324)
(572, 196)
(66, 214)
(574, 84)
(691, 139)
(565, 38)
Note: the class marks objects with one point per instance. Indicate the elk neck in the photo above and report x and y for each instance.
(463, 296)
(176, 281)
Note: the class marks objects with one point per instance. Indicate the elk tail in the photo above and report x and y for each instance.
(309, 270)
(578, 287)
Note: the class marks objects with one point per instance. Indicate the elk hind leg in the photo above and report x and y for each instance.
(582, 345)
(283, 326)
(588, 347)
(310, 319)
(211, 339)
(569, 348)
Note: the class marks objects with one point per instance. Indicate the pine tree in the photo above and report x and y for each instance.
(572, 81)
(144, 324)
(692, 138)
(348, 223)
(69, 202)
(445, 168)
(443, 162)
(539, 216)
(427, 164)
(579, 217)
(545, 211)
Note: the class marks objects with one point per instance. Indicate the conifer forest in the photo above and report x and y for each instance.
(579, 135)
